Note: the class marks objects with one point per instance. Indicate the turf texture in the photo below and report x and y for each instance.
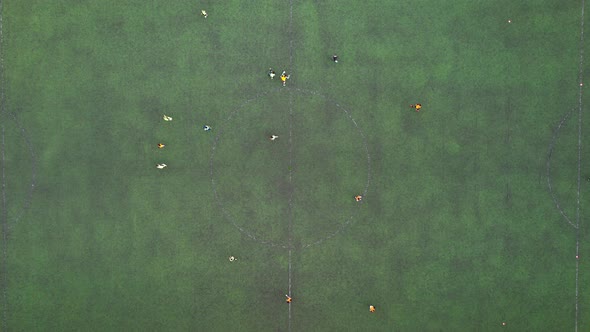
(470, 206)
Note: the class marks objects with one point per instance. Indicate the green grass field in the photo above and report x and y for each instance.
(474, 208)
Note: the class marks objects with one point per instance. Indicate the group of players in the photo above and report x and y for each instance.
(284, 77)
(162, 145)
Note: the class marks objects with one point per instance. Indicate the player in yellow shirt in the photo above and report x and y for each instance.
(284, 77)
(417, 107)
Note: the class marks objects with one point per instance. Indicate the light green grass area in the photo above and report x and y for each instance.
(457, 229)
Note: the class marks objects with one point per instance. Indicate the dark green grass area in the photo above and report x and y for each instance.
(458, 230)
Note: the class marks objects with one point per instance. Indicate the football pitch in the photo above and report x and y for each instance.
(471, 212)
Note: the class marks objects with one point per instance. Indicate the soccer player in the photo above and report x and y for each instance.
(206, 128)
(161, 166)
(271, 73)
(161, 146)
(204, 13)
(273, 137)
(284, 77)
(371, 308)
(167, 118)
(335, 58)
(232, 258)
(289, 299)
(358, 198)
(417, 107)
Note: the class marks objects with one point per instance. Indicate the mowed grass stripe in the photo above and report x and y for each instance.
(4, 213)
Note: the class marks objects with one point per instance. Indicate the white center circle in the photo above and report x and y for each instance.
(296, 190)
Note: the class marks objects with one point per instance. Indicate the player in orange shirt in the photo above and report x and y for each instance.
(371, 308)
(358, 198)
(160, 145)
(288, 300)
